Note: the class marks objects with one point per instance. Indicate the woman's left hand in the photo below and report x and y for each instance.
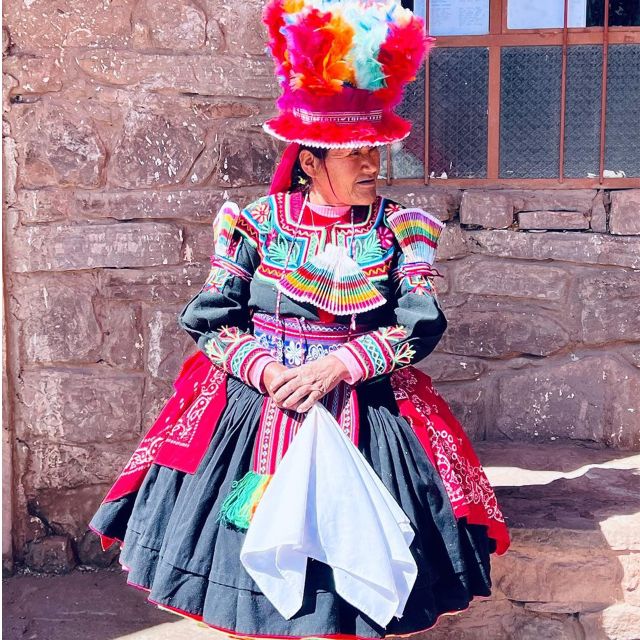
(299, 388)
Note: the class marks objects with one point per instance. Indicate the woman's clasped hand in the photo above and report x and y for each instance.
(299, 388)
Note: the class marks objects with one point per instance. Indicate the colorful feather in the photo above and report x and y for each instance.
(321, 46)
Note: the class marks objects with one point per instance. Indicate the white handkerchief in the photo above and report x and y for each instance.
(326, 502)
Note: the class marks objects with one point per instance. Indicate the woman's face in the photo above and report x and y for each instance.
(345, 176)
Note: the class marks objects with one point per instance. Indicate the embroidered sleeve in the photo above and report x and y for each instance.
(217, 317)
(420, 321)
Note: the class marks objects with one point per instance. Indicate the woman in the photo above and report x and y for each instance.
(321, 291)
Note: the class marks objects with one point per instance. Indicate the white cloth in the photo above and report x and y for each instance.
(326, 502)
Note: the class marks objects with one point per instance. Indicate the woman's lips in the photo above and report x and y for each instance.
(367, 181)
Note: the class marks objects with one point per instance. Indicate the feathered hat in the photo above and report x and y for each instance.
(342, 66)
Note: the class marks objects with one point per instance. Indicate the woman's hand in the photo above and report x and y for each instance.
(299, 388)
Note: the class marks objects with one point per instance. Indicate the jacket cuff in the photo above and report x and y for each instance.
(257, 369)
(356, 372)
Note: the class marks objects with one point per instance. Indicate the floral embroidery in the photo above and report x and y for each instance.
(216, 279)
(235, 351)
(294, 353)
(260, 212)
(385, 237)
(392, 207)
(420, 285)
(381, 351)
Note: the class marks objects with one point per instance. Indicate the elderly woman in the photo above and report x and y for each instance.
(321, 292)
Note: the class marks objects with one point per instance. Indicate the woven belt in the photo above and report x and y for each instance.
(294, 341)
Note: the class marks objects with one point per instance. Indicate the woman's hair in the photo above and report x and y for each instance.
(300, 181)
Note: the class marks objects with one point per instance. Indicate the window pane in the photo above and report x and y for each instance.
(530, 112)
(458, 95)
(458, 17)
(582, 113)
(408, 156)
(545, 14)
(622, 142)
(624, 13)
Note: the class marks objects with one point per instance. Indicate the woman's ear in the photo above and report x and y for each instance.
(309, 163)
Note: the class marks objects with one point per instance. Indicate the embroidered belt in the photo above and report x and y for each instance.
(294, 341)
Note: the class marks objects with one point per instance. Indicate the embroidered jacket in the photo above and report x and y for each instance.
(394, 248)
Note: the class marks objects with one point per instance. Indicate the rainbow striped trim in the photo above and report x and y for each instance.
(417, 233)
(334, 282)
(224, 225)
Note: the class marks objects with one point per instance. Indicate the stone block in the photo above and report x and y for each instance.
(239, 77)
(86, 246)
(171, 285)
(551, 199)
(569, 400)
(443, 367)
(624, 217)
(52, 554)
(467, 402)
(122, 339)
(176, 25)
(620, 621)
(156, 395)
(583, 248)
(57, 147)
(487, 209)
(79, 406)
(90, 551)
(195, 205)
(599, 214)
(443, 203)
(43, 205)
(55, 466)
(482, 276)
(527, 575)
(44, 26)
(610, 302)
(36, 75)
(154, 150)
(452, 243)
(502, 333)
(624, 428)
(167, 345)
(242, 26)
(245, 158)
(68, 511)
(631, 578)
(553, 220)
(57, 321)
(198, 243)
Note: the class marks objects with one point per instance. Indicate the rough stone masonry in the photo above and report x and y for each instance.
(126, 125)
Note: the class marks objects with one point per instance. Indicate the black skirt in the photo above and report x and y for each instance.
(174, 546)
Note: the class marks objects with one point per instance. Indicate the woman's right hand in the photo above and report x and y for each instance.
(270, 373)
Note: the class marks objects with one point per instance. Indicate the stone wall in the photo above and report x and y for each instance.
(126, 125)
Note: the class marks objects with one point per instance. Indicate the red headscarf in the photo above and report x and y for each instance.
(282, 176)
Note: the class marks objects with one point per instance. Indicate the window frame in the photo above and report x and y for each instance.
(500, 36)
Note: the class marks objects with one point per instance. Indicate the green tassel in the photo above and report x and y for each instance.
(238, 508)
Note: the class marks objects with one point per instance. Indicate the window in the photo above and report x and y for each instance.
(529, 97)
